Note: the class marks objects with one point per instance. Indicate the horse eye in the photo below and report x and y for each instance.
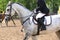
(8, 9)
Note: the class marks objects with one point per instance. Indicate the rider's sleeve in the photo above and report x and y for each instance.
(42, 7)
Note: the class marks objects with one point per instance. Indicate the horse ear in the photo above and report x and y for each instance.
(9, 3)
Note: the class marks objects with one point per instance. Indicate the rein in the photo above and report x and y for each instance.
(26, 19)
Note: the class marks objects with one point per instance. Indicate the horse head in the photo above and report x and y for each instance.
(23, 13)
(9, 12)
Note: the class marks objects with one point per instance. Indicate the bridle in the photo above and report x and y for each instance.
(16, 12)
(9, 11)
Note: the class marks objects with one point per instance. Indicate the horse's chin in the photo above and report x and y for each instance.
(7, 19)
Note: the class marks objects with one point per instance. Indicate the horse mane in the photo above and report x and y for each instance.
(20, 4)
(10, 3)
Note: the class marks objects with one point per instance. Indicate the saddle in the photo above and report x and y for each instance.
(47, 20)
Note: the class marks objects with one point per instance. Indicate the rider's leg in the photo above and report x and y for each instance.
(39, 21)
(43, 26)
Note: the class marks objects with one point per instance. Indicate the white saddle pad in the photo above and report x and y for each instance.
(48, 20)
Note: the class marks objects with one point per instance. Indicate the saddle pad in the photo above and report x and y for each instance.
(47, 20)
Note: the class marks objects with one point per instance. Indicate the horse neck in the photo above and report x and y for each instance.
(22, 12)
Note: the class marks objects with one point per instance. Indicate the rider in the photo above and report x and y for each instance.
(43, 8)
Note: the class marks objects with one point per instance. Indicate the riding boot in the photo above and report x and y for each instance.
(39, 26)
(43, 26)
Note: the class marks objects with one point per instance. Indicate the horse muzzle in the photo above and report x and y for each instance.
(7, 19)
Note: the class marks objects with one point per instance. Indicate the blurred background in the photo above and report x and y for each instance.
(53, 5)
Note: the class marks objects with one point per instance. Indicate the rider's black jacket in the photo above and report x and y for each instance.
(42, 7)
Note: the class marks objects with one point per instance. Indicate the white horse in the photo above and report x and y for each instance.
(25, 16)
